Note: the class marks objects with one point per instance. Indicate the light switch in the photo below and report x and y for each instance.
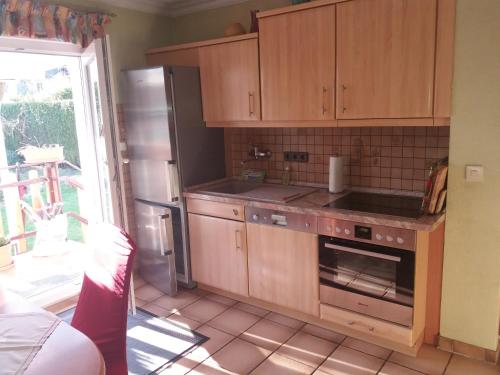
(474, 173)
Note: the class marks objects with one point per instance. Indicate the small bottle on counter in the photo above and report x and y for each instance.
(285, 179)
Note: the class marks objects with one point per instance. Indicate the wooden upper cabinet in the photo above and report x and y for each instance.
(385, 65)
(186, 57)
(297, 65)
(230, 81)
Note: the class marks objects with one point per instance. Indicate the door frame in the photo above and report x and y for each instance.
(49, 47)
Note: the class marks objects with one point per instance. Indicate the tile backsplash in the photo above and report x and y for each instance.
(377, 157)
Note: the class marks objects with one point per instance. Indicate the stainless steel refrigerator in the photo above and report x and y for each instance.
(169, 148)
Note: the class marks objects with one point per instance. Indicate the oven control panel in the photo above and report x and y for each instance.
(376, 234)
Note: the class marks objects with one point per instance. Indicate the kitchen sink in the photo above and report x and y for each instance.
(233, 187)
(258, 191)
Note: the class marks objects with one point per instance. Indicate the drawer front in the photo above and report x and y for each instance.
(216, 209)
(377, 308)
(366, 325)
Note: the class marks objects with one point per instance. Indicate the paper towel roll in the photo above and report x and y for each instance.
(336, 180)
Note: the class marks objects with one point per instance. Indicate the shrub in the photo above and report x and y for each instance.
(39, 123)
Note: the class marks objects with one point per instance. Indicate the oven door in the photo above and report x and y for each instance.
(366, 278)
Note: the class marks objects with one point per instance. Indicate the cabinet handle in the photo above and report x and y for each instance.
(237, 234)
(344, 108)
(235, 212)
(325, 105)
(251, 103)
(352, 322)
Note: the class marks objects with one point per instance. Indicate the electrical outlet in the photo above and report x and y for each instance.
(474, 173)
(300, 157)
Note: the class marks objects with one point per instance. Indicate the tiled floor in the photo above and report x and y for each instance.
(248, 340)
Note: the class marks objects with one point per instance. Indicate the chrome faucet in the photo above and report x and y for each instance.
(255, 154)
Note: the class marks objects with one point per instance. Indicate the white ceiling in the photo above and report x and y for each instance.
(171, 7)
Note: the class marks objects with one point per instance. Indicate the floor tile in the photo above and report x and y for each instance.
(234, 321)
(323, 333)
(366, 347)
(138, 281)
(251, 309)
(207, 369)
(221, 299)
(176, 303)
(268, 334)
(198, 292)
(319, 372)
(217, 340)
(279, 365)
(183, 321)
(348, 361)
(430, 360)
(307, 349)
(394, 369)
(285, 320)
(148, 293)
(203, 310)
(140, 302)
(156, 310)
(240, 356)
(465, 366)
(180, 367)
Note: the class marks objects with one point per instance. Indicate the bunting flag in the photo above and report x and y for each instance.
(33, 19)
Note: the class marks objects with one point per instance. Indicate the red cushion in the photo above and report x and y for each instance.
(101, 312)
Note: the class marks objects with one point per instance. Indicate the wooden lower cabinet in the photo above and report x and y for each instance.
(283, 267)
(219, 253)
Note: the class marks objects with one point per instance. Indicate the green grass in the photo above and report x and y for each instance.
(70, 199)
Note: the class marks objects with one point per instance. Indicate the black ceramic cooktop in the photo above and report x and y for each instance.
(395, 205)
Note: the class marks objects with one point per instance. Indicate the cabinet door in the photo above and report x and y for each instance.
(219, 253)
(297, 65)
(230, 81)
(385, 65)
(283, 267)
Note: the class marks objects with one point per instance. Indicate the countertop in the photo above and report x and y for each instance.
(313, 204)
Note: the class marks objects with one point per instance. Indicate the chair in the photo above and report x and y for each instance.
(101, 312)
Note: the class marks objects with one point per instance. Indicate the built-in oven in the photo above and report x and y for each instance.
(363, 269)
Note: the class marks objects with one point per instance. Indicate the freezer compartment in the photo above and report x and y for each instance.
(155, 181)
(156, 246)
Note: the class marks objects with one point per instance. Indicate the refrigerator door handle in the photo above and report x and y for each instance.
(166, 233)
(173, 181)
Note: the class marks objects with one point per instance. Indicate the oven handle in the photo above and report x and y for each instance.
(363, 252)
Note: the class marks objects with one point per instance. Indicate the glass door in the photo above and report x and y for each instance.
(103, 164)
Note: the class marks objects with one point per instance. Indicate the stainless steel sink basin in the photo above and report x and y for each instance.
(257, 191)
(233, 187)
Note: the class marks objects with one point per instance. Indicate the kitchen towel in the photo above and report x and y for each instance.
(336, 179)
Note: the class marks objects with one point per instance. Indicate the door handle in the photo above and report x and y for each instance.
(370, 328)
(166, 244)
(344, 108)
(325, 95)
(237, 234)
(173, 181)
(251, 103)
(126, 161)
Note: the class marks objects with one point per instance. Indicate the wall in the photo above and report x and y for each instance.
(211, 23)
(470, 303)
(131, 34)
(471, 289)
(391, 158)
